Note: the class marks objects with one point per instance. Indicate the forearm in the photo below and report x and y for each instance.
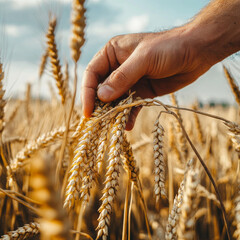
(216, 30)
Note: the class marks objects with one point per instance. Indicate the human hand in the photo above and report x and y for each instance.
(151, 64)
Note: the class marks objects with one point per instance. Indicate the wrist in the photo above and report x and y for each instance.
(214, 39)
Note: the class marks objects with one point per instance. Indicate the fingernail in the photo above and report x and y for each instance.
(105, 92)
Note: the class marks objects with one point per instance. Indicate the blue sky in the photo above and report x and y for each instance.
(23, 24)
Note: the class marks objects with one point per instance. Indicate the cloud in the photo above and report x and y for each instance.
(24, 3)
(133, 24)
(14, 31)
(33, 3)
(137, 23)
(94, 1)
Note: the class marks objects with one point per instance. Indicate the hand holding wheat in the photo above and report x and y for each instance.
(154, 64)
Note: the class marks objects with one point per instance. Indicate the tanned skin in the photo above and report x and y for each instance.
(154, 64)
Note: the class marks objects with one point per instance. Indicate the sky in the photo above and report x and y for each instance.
(23, 24)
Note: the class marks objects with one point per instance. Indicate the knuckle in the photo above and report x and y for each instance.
(118, 75)
(114, 39)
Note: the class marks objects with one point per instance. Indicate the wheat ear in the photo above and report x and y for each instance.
(233, 84)
(159, 187)
(90, 170)
(112, 174)
(103, 138)
(2, 101)
(41, 142)
(53, 54)
(78, 22)
(198, 126)
(181, 138)
(43, 64)
(53, 220)
(78, 164)
(66, 81)
(234, 133)
(84, 133)
(24, 232)
(237, 214)
(173, 218)
(189, 206)
(172, 143)
(130, 161)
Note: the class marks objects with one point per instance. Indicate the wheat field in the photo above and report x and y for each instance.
(64, 176)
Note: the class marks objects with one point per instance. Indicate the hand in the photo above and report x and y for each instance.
(152, 64)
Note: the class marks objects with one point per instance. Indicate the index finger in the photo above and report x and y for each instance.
(96, 70)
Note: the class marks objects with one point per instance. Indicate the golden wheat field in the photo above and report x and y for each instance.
(64, 176)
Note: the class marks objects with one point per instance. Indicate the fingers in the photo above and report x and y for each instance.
(97, 70)
(132, 118)
(122, 79)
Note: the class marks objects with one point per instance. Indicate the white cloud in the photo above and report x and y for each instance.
(134, 24)
(14, 30)
(30, 3)
(24, 3)
(137, 23)
(101, 30)
(94, 1)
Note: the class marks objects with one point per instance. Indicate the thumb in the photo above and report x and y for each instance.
(122, 79)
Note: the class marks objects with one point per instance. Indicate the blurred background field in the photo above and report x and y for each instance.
(39, 144)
